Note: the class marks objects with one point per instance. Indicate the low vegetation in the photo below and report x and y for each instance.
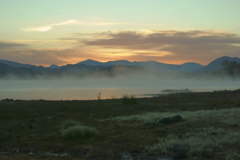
(227, 115)
(69, 123)
(78, 132)
(201, 142)
(129, 99)
(73, 130)
(203, 126)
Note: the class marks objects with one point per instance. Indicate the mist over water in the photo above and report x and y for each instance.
(89, 88)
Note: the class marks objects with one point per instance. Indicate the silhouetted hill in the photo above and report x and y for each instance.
(190, 67)
(21, 72)
(91, 62)
(68, 71)
(150, 65)
(54, 66)
(111, 68)
(217, 64)
(120, 70)
(79, 68)
(16, 64)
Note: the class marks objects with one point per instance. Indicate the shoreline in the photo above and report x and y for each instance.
(138, 96)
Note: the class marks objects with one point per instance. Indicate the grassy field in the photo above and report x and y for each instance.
(121, 129)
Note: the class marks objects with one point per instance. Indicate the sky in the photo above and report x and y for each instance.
(69, 31)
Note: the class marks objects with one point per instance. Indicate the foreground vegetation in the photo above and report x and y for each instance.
(176, 126)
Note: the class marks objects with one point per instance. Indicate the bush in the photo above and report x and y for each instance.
(78, 131)
(129, 99)
(69, 123)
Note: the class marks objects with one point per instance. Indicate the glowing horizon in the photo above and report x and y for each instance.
(67, 32)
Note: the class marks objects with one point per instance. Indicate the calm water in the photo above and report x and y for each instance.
(109, 88)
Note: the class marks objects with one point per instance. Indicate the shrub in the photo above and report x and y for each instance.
(69, 123)
(129, 99)
(78, 131)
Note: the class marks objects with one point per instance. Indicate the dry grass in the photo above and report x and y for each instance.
(232, 115)
(201, 142)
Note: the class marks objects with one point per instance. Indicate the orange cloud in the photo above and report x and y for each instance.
(163, 46)
(198, 46)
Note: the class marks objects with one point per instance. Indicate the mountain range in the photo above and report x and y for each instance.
(111, 68)
(217, 64)
(150, 65)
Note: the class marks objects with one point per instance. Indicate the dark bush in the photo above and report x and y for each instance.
(129, 100)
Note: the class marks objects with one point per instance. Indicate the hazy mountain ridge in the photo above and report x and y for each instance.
(120, 70)
(68, 71)
(150, 65)
(217, 64)
(16, 64)
(109, 69)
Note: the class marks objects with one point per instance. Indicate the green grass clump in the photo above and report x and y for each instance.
(73, 130)
(78, 131)
(69, 123)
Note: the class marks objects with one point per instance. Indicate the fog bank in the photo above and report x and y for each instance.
(89, 88)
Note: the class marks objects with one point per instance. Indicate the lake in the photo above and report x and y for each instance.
(88, 89)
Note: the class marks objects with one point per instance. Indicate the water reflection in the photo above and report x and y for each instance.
(109, 88)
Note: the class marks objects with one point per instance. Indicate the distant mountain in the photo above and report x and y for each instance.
(20, 72)
(217, 64)
(108, 69)
(190, 67)
(69, 71)
(54, 66)
(150, 65)
(16, 64)
(120, 70)
(91, 62)
(79, 68)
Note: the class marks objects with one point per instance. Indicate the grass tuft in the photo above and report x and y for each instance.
(200, 142)
(78, 131)
(69, 123)
(73, 130)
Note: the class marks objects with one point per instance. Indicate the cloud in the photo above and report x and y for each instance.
(167, 46)
(49, 56)
(5, 45)
(94, 21)
(49, 27)
(181, 45)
